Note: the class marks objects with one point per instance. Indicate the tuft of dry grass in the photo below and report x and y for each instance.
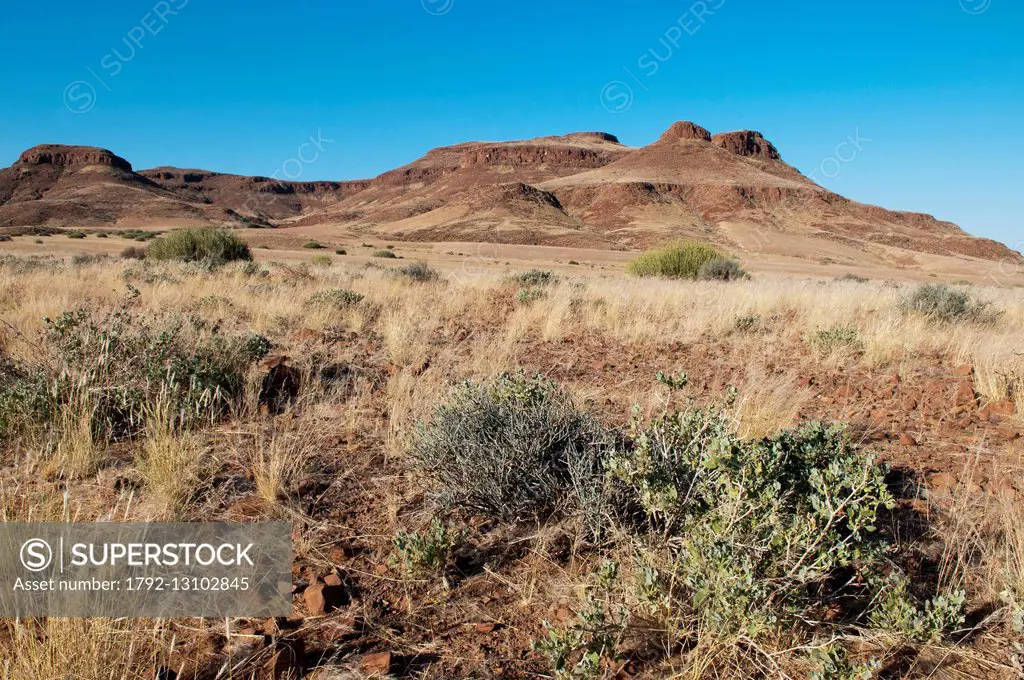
(86, 649)
(171, 468)
(768, 403)
(275, 460)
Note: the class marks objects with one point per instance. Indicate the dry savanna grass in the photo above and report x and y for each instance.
(326, 442)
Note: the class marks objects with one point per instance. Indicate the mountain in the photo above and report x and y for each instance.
(583, 189)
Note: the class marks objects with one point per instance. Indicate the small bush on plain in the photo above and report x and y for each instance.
(337, 299)
(515, 447)
(420, 554)
(535, 278)
(385, 254)
(721, 269)
(120, 365)
(758, 527)
(208, 246)
(680, 260)
(419, 272)
(132, 253)
(831, 340)
(942, 304)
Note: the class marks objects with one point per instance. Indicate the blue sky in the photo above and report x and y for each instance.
(931, 90)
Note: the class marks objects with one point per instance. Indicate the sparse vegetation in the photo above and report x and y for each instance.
(512, 448)
(208, 246)
(695, 521)
(321, 261)
(131, 253)
(721, 269)
(422, 554)
(420, 272)
(313, 245)
(680, 260)
(338, 299)
(942, 304)
(385, 254)
(841, 338)
(535, 278)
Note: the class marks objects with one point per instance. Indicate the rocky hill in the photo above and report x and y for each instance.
(582, 189)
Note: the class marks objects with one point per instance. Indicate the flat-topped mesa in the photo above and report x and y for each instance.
(685, 130)
(748, 143)
(591, 136)
(62, 155)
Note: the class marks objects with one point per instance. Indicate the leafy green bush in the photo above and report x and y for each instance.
(759, 527)
(385, 254)
(341, 251)
(76, 234)
(581, 648)
(123, 366)
(680, 260)
(528, 295)
(830, 340)
(337, 299)
(419, 272)
(535, 277)
(206, 245)
(515, 447)
(833, 663)
(747, 323)
(313, 245)
(23, 398)
(425, 553)
(942, 304)
(721, 269)
(322, 261)
(898, 611)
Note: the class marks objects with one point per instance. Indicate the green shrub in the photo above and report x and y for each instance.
(419, 272)
(896, 610)
(583, 648)
(513, 448)
(206, 245)
(341, 251)
(942, 304)
(721, 269)
(528, 295)
(758, 527)
(76, 234)
(322, 261)
(680, 260)
(337, 299)
(124, 366)
(747, 323)
(313, 245)
(425, 553)
(385, 254)
(535, 277)
(132, 253)
(833, 663)
(828, 341)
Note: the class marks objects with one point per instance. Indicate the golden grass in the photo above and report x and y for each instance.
(472, 327)
(86, 649)
(768, 404)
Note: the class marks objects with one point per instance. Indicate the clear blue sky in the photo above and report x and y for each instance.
(936, 85)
